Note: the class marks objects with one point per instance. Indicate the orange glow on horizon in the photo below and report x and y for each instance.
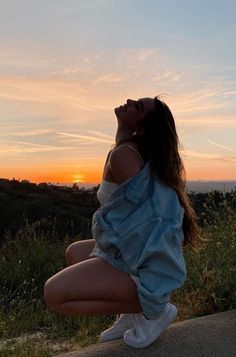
(207, 173)
(94, 176)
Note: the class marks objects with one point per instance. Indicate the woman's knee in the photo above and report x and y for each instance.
(79, 251)
(51, 293)
(69, 254)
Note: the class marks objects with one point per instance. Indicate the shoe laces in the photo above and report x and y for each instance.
(140, 324)
(119, 317)
(122, 318)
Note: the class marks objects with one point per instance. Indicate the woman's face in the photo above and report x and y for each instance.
(131, 114)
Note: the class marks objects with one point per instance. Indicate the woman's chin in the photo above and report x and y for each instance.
(118, 113)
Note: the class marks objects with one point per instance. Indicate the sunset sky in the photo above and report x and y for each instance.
(65, 65)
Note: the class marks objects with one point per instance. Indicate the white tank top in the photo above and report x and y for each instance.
(106, 188)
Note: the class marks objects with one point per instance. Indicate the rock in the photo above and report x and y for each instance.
(211, 335)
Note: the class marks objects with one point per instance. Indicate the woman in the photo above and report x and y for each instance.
(135, 258)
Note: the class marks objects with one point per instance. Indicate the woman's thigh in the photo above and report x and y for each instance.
(79, 251)
(92, 279)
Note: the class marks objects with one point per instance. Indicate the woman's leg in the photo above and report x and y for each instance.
(92, 287)
(79, 251)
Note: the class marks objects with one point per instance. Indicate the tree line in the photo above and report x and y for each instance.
(69, 209)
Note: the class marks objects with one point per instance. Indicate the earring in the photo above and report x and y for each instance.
(134, 133)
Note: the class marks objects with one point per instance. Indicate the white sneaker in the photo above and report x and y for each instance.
(123, 322)
(146, 331)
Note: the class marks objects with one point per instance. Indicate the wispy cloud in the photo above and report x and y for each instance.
(87, 137)
(59, 98)
(109, 78)
(197, 154)
(100, 134)
(204, 156)
(52, 92)
(144, 54)
(34, 132)
(168, 76)
(12, 147)
(100, 80)
(208, 121)
(221, 146)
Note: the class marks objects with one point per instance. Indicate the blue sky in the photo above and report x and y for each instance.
(65, 65)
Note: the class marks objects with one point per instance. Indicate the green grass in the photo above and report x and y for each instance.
(211, 274)
(29, 259)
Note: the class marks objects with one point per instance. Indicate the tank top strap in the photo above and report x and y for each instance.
(108, 156)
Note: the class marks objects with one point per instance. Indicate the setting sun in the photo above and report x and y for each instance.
(78, 178)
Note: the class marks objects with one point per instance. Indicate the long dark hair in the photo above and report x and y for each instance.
(159, 144)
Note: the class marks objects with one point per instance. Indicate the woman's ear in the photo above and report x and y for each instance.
(139, 131)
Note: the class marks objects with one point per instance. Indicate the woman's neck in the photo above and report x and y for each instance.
(123, 135)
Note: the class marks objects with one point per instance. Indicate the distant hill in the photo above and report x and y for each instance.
(207, 186)
(65, 210)
(196, 186)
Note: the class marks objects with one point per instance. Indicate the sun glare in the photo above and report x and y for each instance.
(78, 178)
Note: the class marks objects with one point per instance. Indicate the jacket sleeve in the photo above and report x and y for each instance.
(162, 268)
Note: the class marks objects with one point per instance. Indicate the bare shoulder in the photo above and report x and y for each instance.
(124, 163)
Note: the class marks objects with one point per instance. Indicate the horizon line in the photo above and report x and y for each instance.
(96, 184)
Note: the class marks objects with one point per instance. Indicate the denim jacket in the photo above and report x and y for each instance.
(139, 231)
